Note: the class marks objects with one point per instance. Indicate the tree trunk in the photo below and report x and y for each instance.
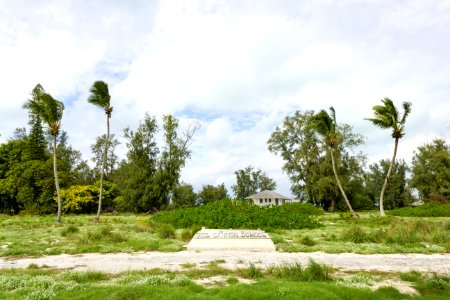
(105, 153)
(339, 184)
(55, 170)
(387, 178)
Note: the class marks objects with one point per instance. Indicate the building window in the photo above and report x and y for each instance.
(270, 200)
(260, 200)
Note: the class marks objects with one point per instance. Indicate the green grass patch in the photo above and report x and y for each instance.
(285, 282)
(429, 209)
(40, 235)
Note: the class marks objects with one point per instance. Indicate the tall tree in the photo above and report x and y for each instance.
(431, 169)
(112, 159)
(296, 142)
(100, 97)
(136, 176)
(249, 182)
(184, 196)
(388, 117)
(326, 126)
(174, 155)
(50, 111)
(397, 192)
(210, 193)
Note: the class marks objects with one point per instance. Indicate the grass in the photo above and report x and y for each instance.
(369, 234)
(285, 282)
(40, 235)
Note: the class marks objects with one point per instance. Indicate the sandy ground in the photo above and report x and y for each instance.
(122, 262)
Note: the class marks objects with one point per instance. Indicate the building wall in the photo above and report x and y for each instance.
(269, 201)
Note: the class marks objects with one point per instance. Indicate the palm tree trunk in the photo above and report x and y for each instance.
(355, 215)
(55, 170)
(105, 153)
(387, 178)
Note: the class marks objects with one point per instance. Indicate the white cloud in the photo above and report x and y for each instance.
(237, 67)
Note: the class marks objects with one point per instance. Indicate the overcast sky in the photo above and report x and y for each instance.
(237, 67)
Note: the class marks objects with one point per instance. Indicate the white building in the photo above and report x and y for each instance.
(269, 198)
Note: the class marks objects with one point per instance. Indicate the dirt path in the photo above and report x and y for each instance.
(121, 262)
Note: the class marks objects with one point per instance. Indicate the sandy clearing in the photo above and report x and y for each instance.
(122, 262)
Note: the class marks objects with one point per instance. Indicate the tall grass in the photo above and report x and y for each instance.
(294, 271)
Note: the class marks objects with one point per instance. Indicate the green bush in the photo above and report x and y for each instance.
(345, 215)
(186, 235)
(69, 230)
(166, 231)
(242, 214)
(430, 209)
(307, 241)
(254, 272)
(355, 234)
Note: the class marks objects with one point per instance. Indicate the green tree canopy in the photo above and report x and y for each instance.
(397, 193)
(210, 193)
(184, 196)
(309, 167)
(249, 182)
(112, 160)
(148, 177)
(431, 169)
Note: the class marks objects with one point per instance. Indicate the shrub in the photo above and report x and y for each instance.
(355, 234)
(307, 241)
(166, 231)
(430, 209)
(69, 230)
(186, 235)
(318, 272)
(254, 271)
(242, 214)
(345, 215)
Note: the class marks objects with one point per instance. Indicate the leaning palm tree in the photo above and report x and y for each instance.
(326, 126)
(50, 111)
(100, 97)
(388, 117)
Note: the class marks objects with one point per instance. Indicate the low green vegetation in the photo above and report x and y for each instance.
(429, 209)
(290, 281)
(368, 234)
(242, 214)
(40, 235)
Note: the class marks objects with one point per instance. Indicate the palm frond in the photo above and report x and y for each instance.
(333, 119)
(322, 123)
(406, 111)
(387, 116)
(46, 107)
(379, 123)
(100, 95)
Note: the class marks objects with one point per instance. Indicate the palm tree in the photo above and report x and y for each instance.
(50, 111)
(386, 117)
(326, 126)
(100, 97)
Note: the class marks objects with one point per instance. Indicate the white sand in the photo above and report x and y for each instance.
(122, 262)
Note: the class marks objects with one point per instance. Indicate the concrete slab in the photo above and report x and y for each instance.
(229, 239)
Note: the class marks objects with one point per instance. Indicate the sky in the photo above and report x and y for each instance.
(238, 68)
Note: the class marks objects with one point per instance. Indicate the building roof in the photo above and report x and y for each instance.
(268, 195)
